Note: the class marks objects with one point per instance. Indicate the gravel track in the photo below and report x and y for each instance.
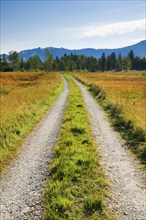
(128, 190)
(22, 186)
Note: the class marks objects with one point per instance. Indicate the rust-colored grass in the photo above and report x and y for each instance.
(126, 89)
(25, 97)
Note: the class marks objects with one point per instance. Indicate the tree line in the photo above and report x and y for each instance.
(72, 62)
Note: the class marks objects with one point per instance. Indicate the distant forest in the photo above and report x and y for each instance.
(72, 62)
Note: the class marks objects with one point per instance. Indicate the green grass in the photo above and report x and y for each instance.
(134, 136)
(76, 188)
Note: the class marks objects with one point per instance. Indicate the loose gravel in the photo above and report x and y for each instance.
(23, 184)
(128, 190)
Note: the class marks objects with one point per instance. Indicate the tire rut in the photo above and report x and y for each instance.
(22, 186)
(127, 187)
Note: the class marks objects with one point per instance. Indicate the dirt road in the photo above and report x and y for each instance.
(23, 184)
(128, 190)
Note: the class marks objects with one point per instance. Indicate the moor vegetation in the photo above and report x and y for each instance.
(122, 96)
(76, 187)
(25, 97)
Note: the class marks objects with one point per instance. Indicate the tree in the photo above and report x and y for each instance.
(37, 63)
(113, 61)
(127, 63)
(143, 63)
(48, 64)
(72, 65)
(4, 65)
(56, 65)
(93, 64)
(140, 63)
(72, 62)
(131, 56)
(108, 63)
(22, 65)
(34, 63)
(119, 63)
(15, 60)
(103, 62)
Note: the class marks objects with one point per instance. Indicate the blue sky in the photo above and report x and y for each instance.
(74, 24)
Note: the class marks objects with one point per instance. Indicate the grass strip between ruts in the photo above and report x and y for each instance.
(76, 187)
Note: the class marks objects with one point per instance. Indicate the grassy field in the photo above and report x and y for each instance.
(127, 90)
(124, 98)
(25, 97)
(76, 187)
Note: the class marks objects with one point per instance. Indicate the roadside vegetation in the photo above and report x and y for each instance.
(76, 188)
(122, 96)
(25, 97)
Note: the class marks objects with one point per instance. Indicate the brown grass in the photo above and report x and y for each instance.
(25, 97)
(127, 90)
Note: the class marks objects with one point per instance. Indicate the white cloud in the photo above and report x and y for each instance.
(136, 40)
(109, 29)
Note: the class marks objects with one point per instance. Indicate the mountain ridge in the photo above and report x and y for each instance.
(138, 48)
